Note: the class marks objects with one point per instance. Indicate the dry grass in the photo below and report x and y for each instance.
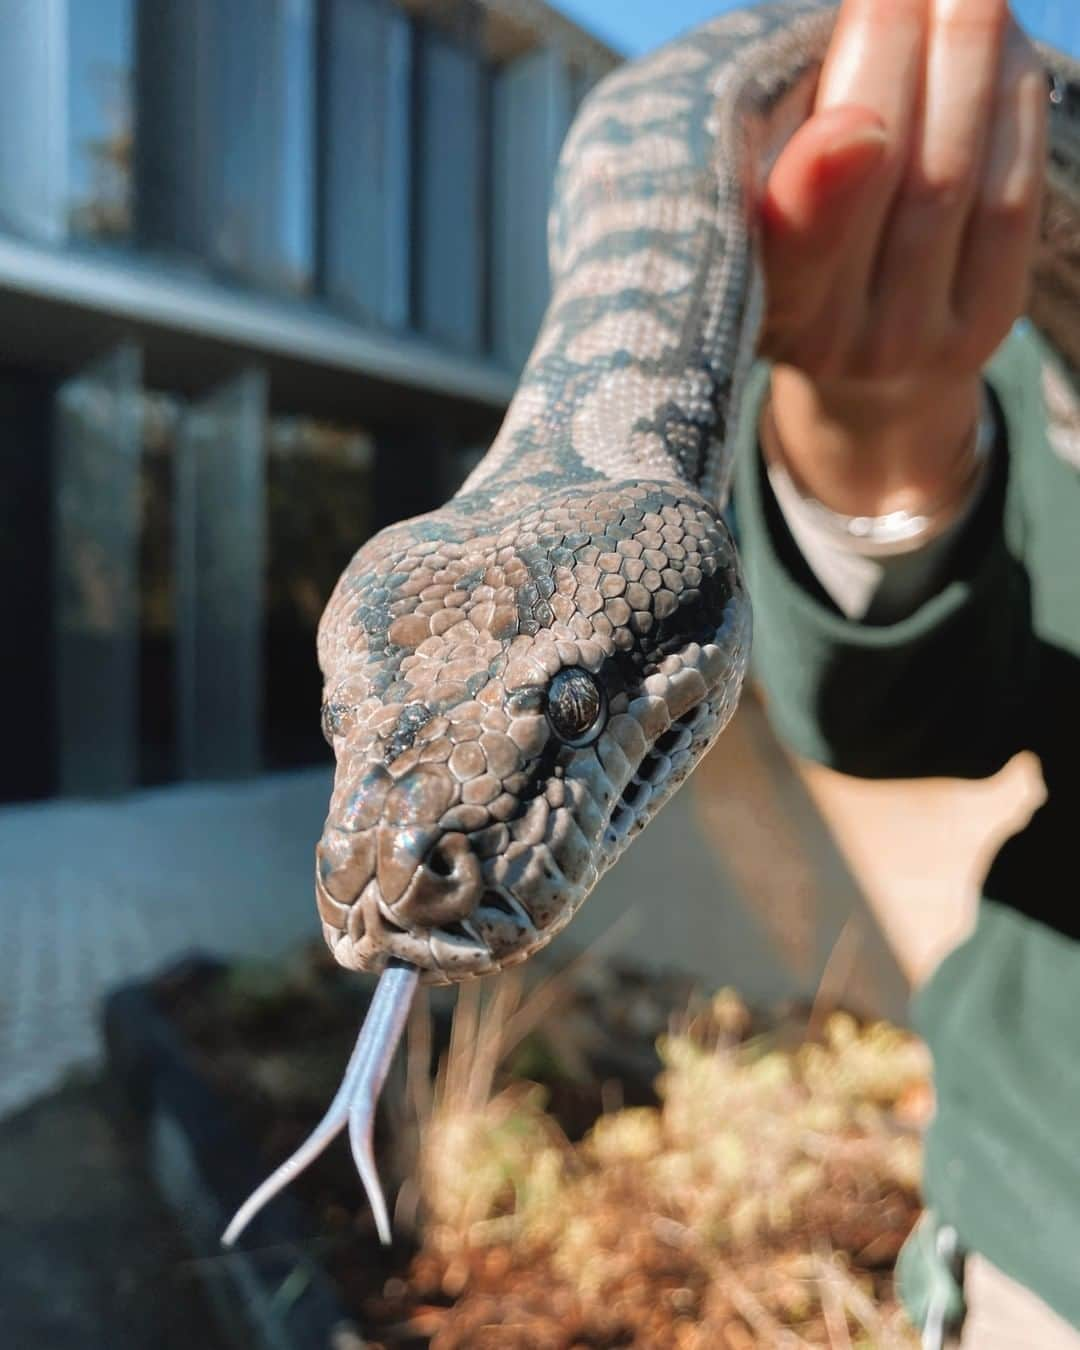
(758, 1200)
(762, 1202)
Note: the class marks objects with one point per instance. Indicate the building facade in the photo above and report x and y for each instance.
(267, 271)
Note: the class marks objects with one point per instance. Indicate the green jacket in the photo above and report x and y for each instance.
(988, 666)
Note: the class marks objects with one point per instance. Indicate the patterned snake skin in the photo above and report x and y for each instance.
(515, 683)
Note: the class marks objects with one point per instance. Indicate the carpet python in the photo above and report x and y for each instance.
(517, 682)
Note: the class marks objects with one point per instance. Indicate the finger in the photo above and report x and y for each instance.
(992, 280)
(876, 62)
(875, 58)
(914, 278)
(815, 196)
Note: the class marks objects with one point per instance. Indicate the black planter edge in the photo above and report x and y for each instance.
(269, 1292)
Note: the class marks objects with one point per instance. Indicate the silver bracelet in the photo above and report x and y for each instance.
(899, 531)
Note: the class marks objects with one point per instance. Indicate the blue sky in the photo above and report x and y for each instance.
(634, 26)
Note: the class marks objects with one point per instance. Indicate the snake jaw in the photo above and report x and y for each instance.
(354, 1104)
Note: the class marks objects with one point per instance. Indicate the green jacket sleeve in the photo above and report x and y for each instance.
(940, 692)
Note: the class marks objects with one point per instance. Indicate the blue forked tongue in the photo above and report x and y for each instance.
(353, 1105)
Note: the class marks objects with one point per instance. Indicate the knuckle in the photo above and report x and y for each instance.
(1009, 215)
(788, 318)
(975, 334)
(816, 360)
(940, 190)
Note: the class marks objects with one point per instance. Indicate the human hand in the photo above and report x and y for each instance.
(898, 227)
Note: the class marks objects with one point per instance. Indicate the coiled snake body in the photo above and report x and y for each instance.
(515, 683)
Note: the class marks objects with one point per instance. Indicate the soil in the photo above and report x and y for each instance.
(613, 1256)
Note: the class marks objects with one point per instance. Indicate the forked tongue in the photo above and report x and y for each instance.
(353, 1105)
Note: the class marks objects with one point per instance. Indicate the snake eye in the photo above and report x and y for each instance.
(576, 707)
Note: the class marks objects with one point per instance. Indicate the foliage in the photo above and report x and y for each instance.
(765, 1196)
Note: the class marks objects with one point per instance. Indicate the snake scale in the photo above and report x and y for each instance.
(517, 682)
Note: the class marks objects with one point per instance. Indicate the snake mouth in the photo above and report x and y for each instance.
(498, 932)
(665, 765)
(495, 905)
(721, 661)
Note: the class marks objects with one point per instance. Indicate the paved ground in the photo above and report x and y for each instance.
(88, 1257)
(94, 893)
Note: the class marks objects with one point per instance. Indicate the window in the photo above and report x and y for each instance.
(100, 119)
(320, 509)
(225, 106)
(365, 131)
(450, 233)
(262, 149)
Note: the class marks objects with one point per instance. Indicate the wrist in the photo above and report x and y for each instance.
(865, 449)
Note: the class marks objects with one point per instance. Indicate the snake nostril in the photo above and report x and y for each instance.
(441, 862)
(444, 888)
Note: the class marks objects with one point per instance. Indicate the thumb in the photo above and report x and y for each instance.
(828, 160)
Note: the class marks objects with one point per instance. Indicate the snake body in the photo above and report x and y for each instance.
(516, 682)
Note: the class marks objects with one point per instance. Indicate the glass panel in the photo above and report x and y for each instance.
(296, 196)
(95, 543)
(367, 84)
(160, 420)
(173, 108)
(453, 99)
(531, 114)
(225, 151)
(320, 509)
(27, 762)
(100, 118)
(263, 143)
(33, 131)
(219, 535)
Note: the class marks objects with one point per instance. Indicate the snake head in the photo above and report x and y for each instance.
(510, 699)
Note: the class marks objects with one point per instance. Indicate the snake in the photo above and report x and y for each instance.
(515, 683)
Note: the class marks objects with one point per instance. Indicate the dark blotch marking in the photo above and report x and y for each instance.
(699, 615)
(333, 720)
(413, 717)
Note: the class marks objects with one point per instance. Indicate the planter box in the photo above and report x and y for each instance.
(270, 1293)
(307, 1274)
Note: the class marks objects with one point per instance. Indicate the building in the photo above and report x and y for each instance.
(267, 270)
